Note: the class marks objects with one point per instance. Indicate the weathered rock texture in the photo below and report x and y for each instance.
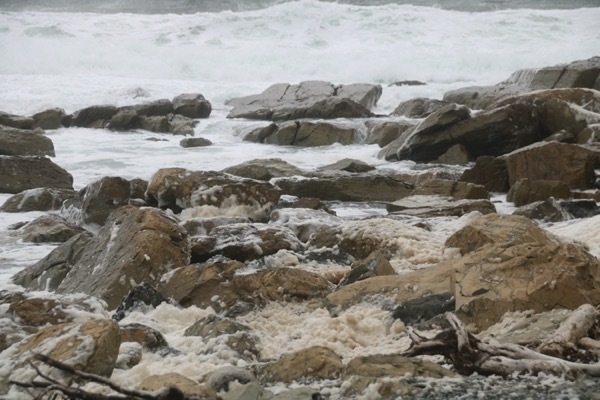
(19, 173)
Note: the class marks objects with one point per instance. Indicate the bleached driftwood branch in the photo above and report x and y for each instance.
(469, 354)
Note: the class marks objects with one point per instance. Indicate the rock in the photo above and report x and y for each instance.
(243, 242)
(525, 191)
(493, 133)
(374, 265)
(309, 99)
(419, 107)
(305, 134)
(19, 173)
(455, 155)
(204, 226)
(408, 83)
(449, 188)
(90, 347)
(383, 133)
(264, 169)
(48, 228)
(146, 336)
(39, 199)
(348, 165)
(41, 311)
(49, 272)
(578, 74)
(303, 222)
(344, 187)
(181, 125)
(160, 107)
(192, 105)
(124, 120)
(93, 204)
(387, 388)
(195, 142)
(437, 206)
(422, 309)
(16, 121)
(589, 135)
(316, 362)
(142, 294)
(135, 245)
(211, 193)
(393, 289)
(130, 355)
(582, 208)
(94, 116)
(20, 142)
(149, 338)
(572, 164)
(548, 210)
(384, 365)
(186, 385)
(159, 124)
(489, 172)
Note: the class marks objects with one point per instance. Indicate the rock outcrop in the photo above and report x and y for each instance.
(19, 173)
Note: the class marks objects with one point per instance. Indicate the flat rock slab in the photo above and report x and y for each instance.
(435, 206)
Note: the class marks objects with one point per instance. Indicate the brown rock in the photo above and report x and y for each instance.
(548, 210)
(264, 169)
(19, 173)
(39, 199)
(436, 206)
(489, 172)
(48, 228)
(456, 189)
(15, 121)
(305, 134)
(419, 107)
(49, 119)
(20, 142)
(455, 155)
(192, 105)
(186, 385)
(195, 142)
(40, 311)
(94, 116)
(525, 191)
(148, 337)
(383, 133)
(313, 362)
(388, 365)
(135, 245)
(348, 165)
(572, 164)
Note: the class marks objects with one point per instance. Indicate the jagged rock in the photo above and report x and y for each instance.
(582, 208)
(19, 173)
(211, 193)
(490, 172)
(309, 99)
(422, 309)
(348, 165)
(39, 199)
(383, 133)
(243, 242)
(20, 142)
(15, 121)
(90, 347)
(347, 187)
(142, 294)
(195, 142)
(135, 245)
(93, 117)
(192, 105)
(49, 272)
(388, 365)
(93, 204)
(419, 107)
(374, 265)
(264, 169)
(304, 134)
(48, 228)
(449, 188)
(571, 163)
(437, 206)
(186, 385)
(525, 191)
(314, 362)
(146, 336)
(41, 311)
(304, 222)
(548, 210)
(578, 74)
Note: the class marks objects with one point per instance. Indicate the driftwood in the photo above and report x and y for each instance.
(50, 388)
(470, 354)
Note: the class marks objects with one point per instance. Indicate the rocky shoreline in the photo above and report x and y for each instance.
(233, 244)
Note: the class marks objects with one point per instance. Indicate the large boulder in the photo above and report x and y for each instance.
(578, 74)
(135, 245)
(388, 365)
(570, 163)
(264, 169)
(304, 134)
(210, 193)
(347, 187)
(48, 228)
(19, 173)
(39, 199)
(20, 142)
(49, 119)
(383, 132)
(93, 204)
(488, 171)
(192, 105)
(526, 191)
(438, 206)
(309, 99)
(94, 116)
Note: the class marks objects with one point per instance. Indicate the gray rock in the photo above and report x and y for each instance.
(264, 169)
(304, 134)
(419, 107)
(48, 228)
(154, 108)
(124, 120)
(94, 116)
(489, 172)
(526, 191)
(19, 173)
(548, 210)
(195, 142)
(20, 142)
(383, 133)
(49, 119)
(15, 121)
(192, 105)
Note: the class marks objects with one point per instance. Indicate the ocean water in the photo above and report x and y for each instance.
(56, 57)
